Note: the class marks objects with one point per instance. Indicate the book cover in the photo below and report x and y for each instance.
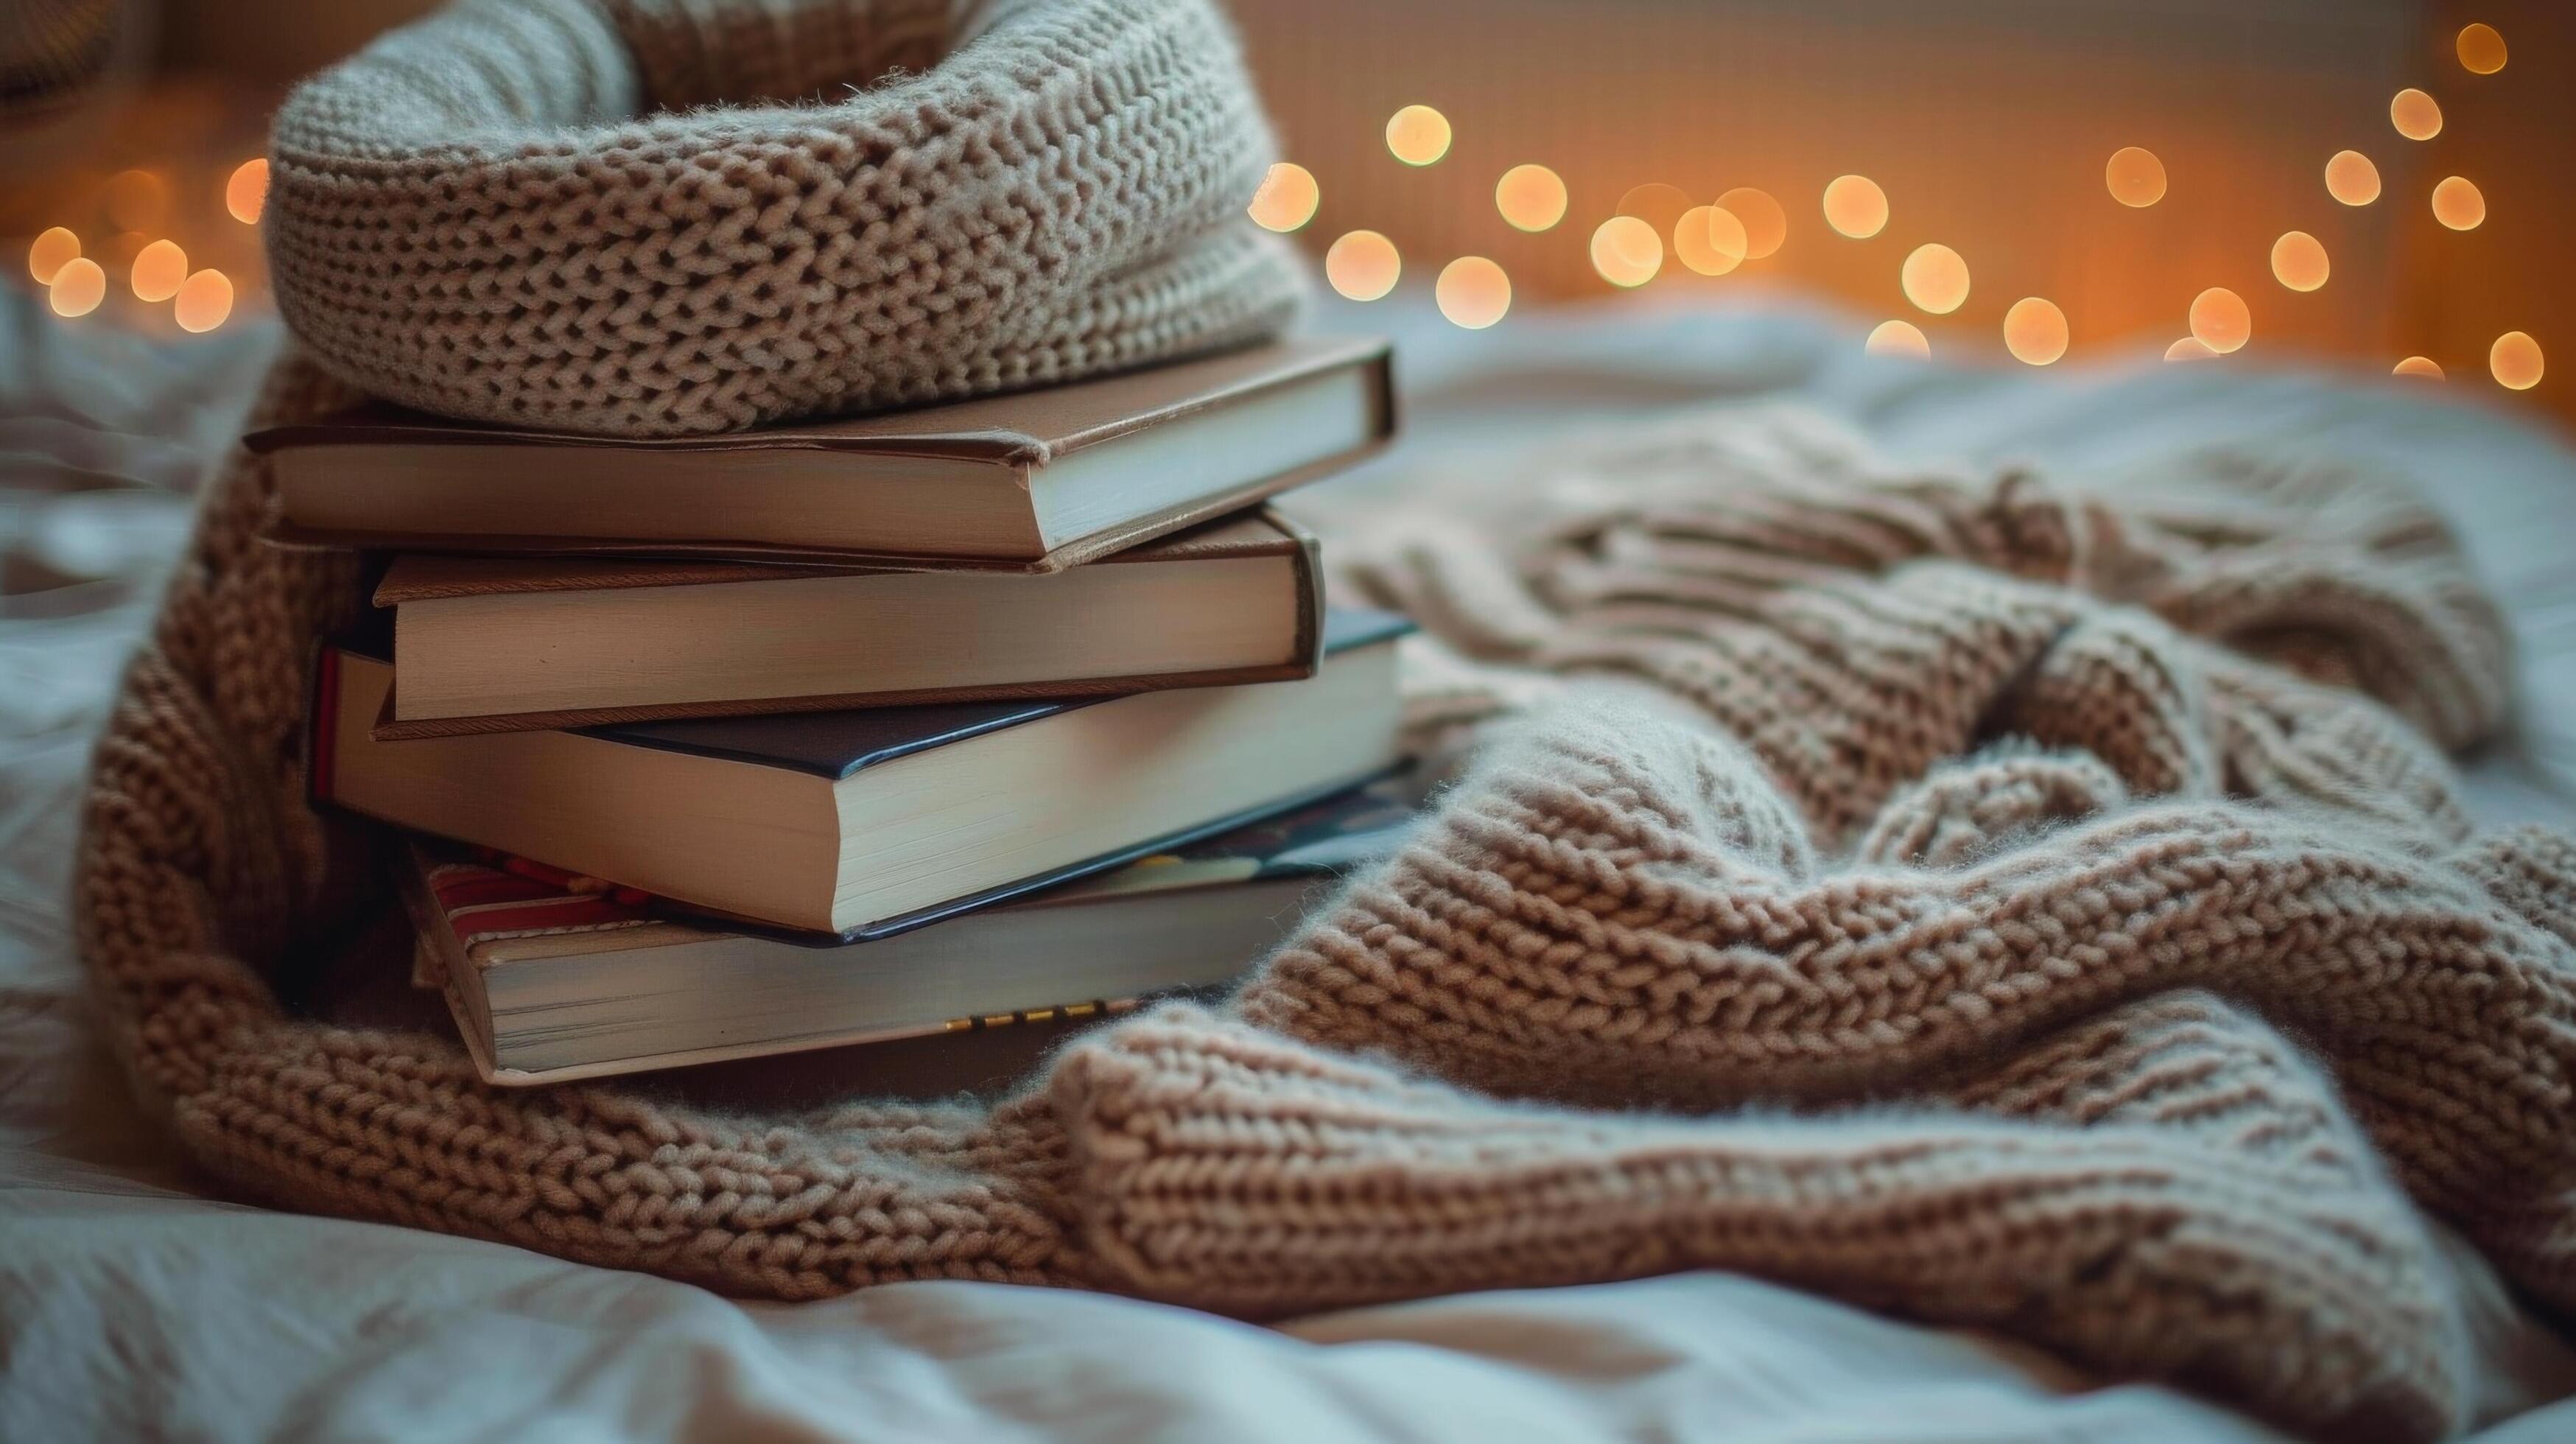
(836, 744)
(989, 454)
(494, 904)
(827, 748)
(553, 977)
(1028, 428)
(429, 577)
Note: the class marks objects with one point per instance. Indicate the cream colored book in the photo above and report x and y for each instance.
(1034, 480)
(497, 644)
(866, 822)
(555, 977)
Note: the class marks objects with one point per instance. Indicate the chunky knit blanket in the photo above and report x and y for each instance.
(1998, 905)
(538, 211)
(1993, 904)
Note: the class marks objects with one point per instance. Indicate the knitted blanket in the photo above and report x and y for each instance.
(1995, 905)
(477, 216)
(1998, 905)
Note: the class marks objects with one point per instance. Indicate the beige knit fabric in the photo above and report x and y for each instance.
(1968, 899)
(658, 217)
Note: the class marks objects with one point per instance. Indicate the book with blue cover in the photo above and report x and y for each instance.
(868, 823)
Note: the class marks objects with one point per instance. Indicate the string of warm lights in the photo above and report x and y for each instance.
(76, 283)
(1935, 278)
(1855, 206)
(1711, 240)
(2221, 321)
(1628, 250)
(1530, 197)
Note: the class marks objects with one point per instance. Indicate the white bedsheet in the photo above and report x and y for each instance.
(131, 1305)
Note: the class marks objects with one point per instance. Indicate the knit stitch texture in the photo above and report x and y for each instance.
(1910, 896)
(662, 217)
(1996, 905)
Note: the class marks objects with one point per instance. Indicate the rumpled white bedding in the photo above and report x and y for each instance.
(131, 1305)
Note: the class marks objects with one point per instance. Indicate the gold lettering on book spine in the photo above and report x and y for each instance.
(1070, 1012)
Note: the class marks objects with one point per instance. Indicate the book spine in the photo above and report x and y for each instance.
(1389, 417)
(1309, 655)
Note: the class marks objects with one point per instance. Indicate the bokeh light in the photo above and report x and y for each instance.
(1286, 200)
(204, 300)
(137, 200)
(1626, 251)
(2189, 348)
(2457, 204)
(1766, 226)
(2299, 261)
(2035, 331)
(1418, 135)
(1657, 204)
(2481, 49)
(79, 285)
(1855, 206)
(1935, 278)
(2420, 366)
(247, 190)
(2135, 176)
(2515, 361)
(1899, 338)
(1473, 292)
(158, 270)
(46, 257)
(1709, 240)
(1531, 197)
(2221, 320)
(2415, 115)
(1363, 265)
(2351, 178)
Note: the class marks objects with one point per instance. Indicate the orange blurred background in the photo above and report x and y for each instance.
(1987, 125)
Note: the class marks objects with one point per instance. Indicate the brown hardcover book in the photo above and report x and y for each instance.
(504, 644)
(1032, 481)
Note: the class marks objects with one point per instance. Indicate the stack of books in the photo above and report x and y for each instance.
(864, 729)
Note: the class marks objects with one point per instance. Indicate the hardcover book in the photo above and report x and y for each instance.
(867, 822)
(555, 977)
(1034, 480)
(495, 644)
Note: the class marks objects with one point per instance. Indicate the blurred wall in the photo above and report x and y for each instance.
(1987, 122)
(2513, 134)
(271, 42)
